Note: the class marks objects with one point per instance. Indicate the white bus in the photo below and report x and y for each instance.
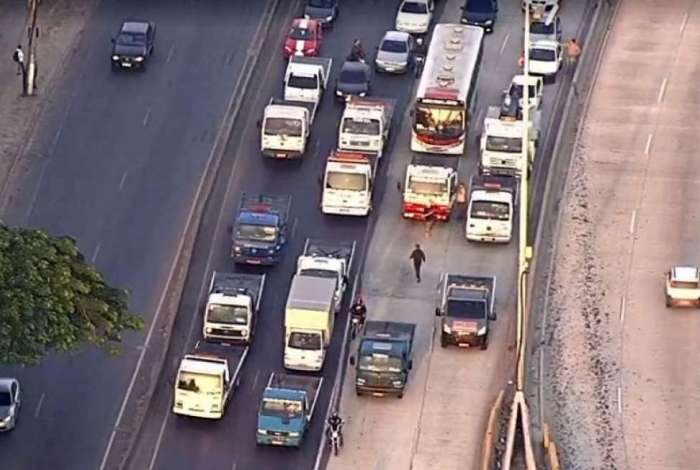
(447, 90)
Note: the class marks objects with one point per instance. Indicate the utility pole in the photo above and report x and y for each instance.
(30, 68)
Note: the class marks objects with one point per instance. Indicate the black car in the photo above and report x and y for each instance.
(353, 80)
(480, 13)
(133, 45)
(323, 11)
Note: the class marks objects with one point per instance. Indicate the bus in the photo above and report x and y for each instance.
(446, 93)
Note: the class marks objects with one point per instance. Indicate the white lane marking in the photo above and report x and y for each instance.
(38, 406)
(623, 308)
(619, 400)
(235, 464)
(633, 220)
(161, 433)
(55, 138)
(145, 118)
(683, 23)
(650, 137)
(121, 183)
(171, 52)
(662, 90)
(255, 380)
(503, 46)
(96, 252)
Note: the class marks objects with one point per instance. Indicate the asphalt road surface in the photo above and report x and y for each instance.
(119, 158)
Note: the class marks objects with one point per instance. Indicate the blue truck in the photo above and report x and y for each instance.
(260, 229)
(286, 409)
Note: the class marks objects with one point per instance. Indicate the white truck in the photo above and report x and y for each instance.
(285, 128)
(683, 287)
(430, 186)
(233, 307)
(501, 143)
(491, 209)
(365, 125)
(328, 259)
(308, 322)
(206, 380)
(306, 78)
(348, 183)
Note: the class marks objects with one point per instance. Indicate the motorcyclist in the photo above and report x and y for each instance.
(421, 49)
(357, 53)
(359, 310)
(335, 423)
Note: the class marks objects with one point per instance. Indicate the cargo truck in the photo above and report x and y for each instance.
(430, 187)
(491, 209)
(348, 183)
(260, 229)
(306, 78)
(285, 128)
(365, 125)
(502, 140)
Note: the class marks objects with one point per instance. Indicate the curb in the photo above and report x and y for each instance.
(492, 430)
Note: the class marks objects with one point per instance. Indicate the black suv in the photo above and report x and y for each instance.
(133, 45)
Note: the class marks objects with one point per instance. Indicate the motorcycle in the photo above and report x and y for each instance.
(419, 62)
(354, 327)
(335, 440)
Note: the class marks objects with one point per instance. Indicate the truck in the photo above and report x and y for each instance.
(384, 358)
(207, 378)
(365, 125)
(285, 128)
(501, 143)
(430, 186)
(491, 209)
(465, 306)
(286, 409)
(683, 286)
(328, 259)
(306, 78)
(233, 306)
(348, 183)
(260, 229)
(308, 322)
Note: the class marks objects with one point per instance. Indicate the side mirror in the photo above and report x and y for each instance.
(352, 360)
(398, 187)
(410, 364)
(493, 316)
(437, 312)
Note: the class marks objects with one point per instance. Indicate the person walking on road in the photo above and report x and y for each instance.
(418, 258)
(461, 201)
(429, 221)
(18, 57)
(573, 51)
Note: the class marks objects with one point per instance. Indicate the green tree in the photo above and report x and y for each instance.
(51, 299)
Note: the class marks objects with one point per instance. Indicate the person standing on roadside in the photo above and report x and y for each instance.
(461, 201)
(573, 51)
(418, 258)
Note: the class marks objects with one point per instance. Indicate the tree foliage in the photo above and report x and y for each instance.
(52, 300)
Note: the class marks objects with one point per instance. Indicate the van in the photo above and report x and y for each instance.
(480, 13)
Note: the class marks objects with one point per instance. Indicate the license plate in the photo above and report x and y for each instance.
(464, 345)
(281, 155)
(126, 64)
(344, 209)
(377, 394)
(278, 442)
(254, 261)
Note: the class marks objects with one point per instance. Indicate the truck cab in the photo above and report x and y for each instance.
(285, 128)
(260, 229)
(232, 307)
(683, 287)
(365, 124)
(545, 59)
(348, 183)
(306, 78)
(429, 187)
(501, 143)
(491, 209)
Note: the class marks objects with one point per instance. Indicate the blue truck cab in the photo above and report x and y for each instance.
(286, 409)
(260, 229)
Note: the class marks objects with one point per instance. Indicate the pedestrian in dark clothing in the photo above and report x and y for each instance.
(18, 57)
(418, 258)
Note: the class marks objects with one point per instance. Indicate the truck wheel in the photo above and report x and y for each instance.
(443, 341)
(358, 393)
(669, 302)
(485, 344)
(400, 396)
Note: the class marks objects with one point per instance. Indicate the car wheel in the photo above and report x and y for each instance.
(485, 344)
(669, 302)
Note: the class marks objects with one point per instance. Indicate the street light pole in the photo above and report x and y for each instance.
(33, 33)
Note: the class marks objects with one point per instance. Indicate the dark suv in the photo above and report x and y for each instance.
(133, 45)
(481, 13)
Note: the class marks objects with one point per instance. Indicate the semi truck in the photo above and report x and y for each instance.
(430, 186)
(306, 78)
(365, 125)
(260, 229)
(233, 307)
(491, 209)
(348, 183)
(286, 409)
(285, 128)
(308, 322)
(465, 305)
(206, 380)
(501, 143)
(328, 259)
(384, 358)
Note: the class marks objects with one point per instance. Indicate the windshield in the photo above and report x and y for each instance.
(380, 356)
(480, 6)
(424, 187)
(541, 28)
(347, 181)
(414, 7)
(199, 383)
(309, 83)
(684, 285)
(5, 399)
(547, 55)
(319, 273)
(390, 45)
(321, 3)
(516, 91)
(504, 144)
(260, 233)
(131, 39)
(439, 122)
(301, 34)
(472, 309)
(230, 314)
(490, 210)
(283, 409)
(283, 126)
(352, 76)
(306, 341)
(361, 126)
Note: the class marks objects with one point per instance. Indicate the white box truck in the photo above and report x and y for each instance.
(365, 125)
(285, 128)
(348, 183)
(501, 143)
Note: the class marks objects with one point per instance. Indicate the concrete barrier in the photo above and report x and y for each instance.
(492, 430)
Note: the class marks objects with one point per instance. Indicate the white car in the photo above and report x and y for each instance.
(545, 59)
(414, 16)
(515, 91)
(683, 287)
(547, 4)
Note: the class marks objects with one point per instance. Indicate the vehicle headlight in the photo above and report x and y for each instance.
(446, 329)
(360, 381)
(138, 59)
(397, 383)
(262, 431)
(244, 331)
(329, 18)
(488, 22)
(294, 434)
(115, 57)
(338, 93)
(208, 330)
(482, 331)
(271, 251)
(237, 249)
(363, 94)
(311, 50)
(6, 419)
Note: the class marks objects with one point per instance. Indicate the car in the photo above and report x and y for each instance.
(354, 79)
(515, 92)
(545, 59)
(394, 52)
(480, 13)
(304, 38)
(9, 403)
(683, 287)
(546, 4)
(133, 45)
(323, 11)
(414, 16)
(545, 27)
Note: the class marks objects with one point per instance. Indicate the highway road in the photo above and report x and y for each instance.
(119, 157)
(172, 442)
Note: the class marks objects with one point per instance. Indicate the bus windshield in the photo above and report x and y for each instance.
(446, 123)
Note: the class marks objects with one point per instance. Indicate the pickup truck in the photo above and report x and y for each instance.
(306, 78)
(348, 183)
(206, 380)
(502, 142)
(233, 307)
(384, 358)
(285, 128)
(365, 125)
(491, 210)
(286, 409)
(465, 307)
(328, 258)
(260, 229)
